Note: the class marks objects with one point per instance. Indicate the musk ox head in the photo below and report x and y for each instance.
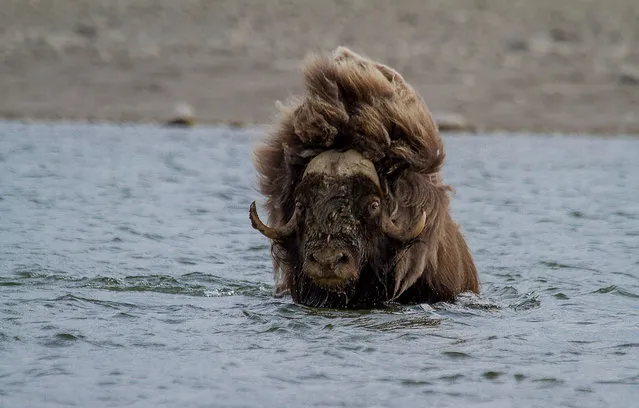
(358, 214)
(341, 220)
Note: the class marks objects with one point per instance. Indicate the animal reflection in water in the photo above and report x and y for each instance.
(358, 214)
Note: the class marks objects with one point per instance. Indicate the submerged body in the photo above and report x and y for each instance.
(358, 212)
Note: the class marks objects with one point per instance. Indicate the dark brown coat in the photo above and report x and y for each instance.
(355, 103)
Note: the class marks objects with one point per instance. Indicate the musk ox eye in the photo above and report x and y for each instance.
(373, 207)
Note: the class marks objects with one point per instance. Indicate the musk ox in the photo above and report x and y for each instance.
(358, 214)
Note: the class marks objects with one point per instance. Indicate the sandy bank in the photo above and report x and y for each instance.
(568, 66)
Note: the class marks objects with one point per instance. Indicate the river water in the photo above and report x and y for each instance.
(130, 276)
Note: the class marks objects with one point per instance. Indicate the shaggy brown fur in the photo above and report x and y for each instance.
(353, 102)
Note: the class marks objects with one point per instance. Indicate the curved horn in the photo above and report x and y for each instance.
(273, 233)
(392, 230)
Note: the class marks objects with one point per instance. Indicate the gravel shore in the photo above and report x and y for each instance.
(513, 65)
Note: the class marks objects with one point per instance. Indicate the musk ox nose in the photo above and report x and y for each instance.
(330, 267)
(329, 258)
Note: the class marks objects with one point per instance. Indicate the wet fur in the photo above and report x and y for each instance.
(354, 102)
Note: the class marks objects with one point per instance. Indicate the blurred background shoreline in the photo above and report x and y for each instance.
(535, 66)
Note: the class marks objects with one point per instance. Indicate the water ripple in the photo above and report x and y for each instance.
(130, 275)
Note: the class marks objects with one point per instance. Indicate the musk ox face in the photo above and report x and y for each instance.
(341, 226)
(340, 222)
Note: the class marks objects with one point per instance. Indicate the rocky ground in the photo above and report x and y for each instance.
(520, 65)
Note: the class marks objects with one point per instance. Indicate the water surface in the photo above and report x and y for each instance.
(130, 276)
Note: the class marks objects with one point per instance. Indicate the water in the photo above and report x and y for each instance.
(130, 276)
